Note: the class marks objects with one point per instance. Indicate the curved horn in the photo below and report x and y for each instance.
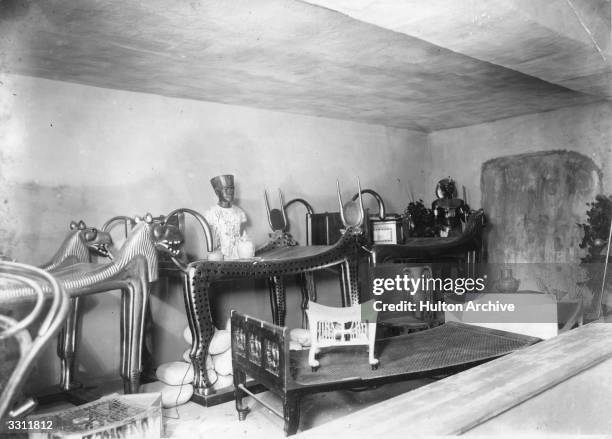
(361, 211)
(198, 216)
(379, 200)
(341, 205)
(268, 209)
(282, 204)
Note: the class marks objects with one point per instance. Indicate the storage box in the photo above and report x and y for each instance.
(114, 416)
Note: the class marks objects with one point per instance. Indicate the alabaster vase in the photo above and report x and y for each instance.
(506, 282)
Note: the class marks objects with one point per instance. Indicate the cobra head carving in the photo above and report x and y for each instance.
(352, 215)
(277, 218)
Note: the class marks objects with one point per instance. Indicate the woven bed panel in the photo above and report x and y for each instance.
(446, 346)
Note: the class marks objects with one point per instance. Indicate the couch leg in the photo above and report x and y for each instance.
(291, 412)
(242, 413)
(242, 409)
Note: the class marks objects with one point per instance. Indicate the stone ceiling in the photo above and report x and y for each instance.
(415, 64)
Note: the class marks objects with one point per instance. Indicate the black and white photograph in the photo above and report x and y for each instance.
(316, 219)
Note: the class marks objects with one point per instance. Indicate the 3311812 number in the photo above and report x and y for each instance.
(29, 425)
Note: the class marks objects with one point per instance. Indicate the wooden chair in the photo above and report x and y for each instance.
(336, 327)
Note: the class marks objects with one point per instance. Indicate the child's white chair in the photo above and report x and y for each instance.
(331, 326)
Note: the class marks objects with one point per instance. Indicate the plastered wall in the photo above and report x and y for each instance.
(586, 130)
(460, 152)
(76, 152)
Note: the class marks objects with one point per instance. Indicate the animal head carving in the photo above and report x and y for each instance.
(78, 246)
(94, 240)
(152, 234)
(170, 236)
(143, 242)
(166, 236)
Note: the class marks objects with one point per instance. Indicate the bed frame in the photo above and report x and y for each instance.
(261, 351)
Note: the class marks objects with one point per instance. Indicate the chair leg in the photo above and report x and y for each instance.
(372, 345)
(291, 412)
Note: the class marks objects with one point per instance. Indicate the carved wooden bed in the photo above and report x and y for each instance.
(261, 351)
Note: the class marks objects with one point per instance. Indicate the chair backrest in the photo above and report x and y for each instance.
(332, 326)
(347, 326)
(323, 228)
(18, 347)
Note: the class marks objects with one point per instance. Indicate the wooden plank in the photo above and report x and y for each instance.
(458, 403)
(580, 405)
